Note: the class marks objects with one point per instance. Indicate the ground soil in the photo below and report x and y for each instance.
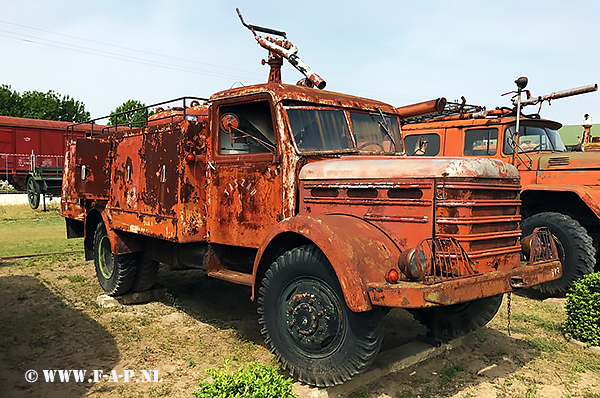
(50, 319)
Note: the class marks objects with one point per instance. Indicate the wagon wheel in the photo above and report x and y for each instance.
(33, 193)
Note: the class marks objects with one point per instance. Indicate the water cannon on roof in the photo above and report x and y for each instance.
(521, 83)
(280, 48)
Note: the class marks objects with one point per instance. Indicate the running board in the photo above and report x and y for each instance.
(239, 278)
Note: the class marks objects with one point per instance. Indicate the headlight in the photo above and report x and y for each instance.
(413, 263)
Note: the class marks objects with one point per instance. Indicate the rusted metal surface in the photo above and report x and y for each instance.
(460, 290)
(359, 257)
(357, 167)
(558, 94)
(233, 175)
(540, 171)
(422, 108)
(539, 246)
(280, 48)
(174, 181)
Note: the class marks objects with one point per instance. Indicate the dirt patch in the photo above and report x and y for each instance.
(49, 319)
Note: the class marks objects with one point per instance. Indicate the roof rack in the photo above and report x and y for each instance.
(451, 109)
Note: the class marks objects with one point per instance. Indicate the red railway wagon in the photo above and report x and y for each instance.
(32, 154)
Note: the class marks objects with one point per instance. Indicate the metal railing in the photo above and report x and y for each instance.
(94, 129)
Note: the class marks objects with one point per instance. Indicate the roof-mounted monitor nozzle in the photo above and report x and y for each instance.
(279, 49)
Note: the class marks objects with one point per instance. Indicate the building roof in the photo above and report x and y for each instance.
(43, 124)
(570, 134)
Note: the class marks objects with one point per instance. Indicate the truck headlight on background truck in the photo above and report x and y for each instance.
(413, 263)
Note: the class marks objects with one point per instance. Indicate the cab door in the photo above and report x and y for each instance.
(245, 182)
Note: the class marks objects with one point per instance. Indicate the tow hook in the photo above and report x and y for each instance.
(516, 282)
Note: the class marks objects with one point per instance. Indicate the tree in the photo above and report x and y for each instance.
(39, 105)
(130, 112)
(11, 103)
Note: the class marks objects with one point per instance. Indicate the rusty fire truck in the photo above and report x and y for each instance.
(559, 188)
(304, 196)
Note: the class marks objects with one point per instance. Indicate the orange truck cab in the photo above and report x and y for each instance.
(559, 189)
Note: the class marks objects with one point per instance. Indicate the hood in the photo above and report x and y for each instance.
(389, 167)
(569, 161)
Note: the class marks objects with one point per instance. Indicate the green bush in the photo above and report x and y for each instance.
(255, 381)
(583, 310)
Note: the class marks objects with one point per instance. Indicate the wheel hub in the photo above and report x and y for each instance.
(305, 318)
(311, 321)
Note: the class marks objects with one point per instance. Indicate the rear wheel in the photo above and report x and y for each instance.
(308, 325)
(33, 193)
(453, 321)
(575, 248)
(116, 273)
(147, 271)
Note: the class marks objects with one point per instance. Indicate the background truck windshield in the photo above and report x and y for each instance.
(534, 139)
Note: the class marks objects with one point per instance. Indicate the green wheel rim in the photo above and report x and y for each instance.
(106, 259)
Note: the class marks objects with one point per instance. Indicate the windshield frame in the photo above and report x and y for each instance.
(386, 125)
(552, 136)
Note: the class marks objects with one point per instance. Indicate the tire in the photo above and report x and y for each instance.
(307, 324)
(147, 271)
(33, 193)
(116, 273)
(449, 322)
(575, 249)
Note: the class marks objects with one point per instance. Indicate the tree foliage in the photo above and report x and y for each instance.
(39, 105)
(129, 113)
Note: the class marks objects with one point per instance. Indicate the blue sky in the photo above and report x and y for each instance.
(106, 52)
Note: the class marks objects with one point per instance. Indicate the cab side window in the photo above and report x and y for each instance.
(422, 144)
(481, 142)
(246, 129)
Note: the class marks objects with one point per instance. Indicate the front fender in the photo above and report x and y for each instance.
(589, 195)
(359, 252)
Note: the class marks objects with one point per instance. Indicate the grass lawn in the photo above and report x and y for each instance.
(26, 231)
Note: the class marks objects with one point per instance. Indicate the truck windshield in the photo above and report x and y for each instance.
(375, 132)
(534, 139)
(337, 130)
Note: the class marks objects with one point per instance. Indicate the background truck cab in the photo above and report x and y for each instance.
(560, 189)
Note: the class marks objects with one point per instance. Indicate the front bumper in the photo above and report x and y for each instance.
(453, 291)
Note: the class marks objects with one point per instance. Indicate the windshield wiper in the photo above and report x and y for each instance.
(384, 125)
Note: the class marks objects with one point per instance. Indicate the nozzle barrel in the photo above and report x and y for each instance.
(560, 94)
(422, 108)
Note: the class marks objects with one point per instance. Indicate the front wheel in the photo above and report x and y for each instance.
(116, 273)
(575, 248)
(449, 322)
(308, 325)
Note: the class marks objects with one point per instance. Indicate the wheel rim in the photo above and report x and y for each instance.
(313, 317)
(32, 193)
(106, 259)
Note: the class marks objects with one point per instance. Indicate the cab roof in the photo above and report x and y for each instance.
(293, 93)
